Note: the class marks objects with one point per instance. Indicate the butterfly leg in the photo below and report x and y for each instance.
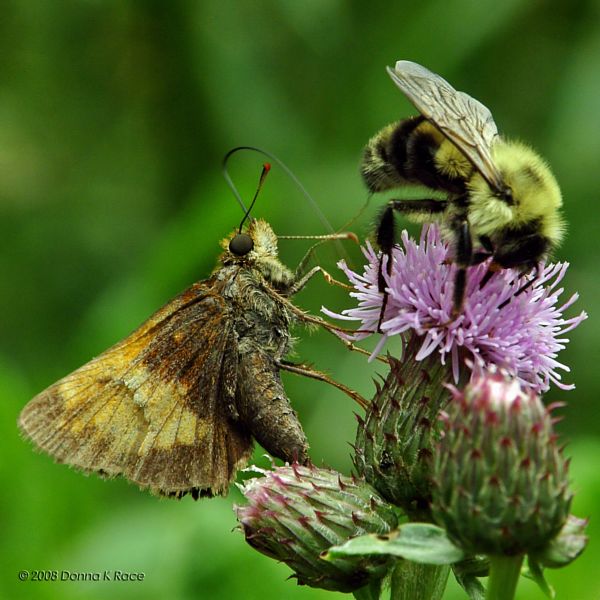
(309, 319)
(302, 267)
(299, 284)
(307, 371)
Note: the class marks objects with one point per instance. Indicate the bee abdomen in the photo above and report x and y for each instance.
(384, 163)
(407, 152)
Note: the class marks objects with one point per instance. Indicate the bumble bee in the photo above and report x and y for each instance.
(501, 200)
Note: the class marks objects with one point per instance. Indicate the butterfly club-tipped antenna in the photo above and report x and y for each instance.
(285, 169)
(336, 236)
(242, 243)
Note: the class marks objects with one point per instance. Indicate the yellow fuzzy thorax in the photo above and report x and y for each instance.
(449, 160)
(535, 192)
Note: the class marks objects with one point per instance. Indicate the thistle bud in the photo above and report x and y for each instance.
(295, 513)
(500, 480)
(395, 441)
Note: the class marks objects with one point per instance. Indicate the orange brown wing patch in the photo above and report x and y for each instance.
(151, 407)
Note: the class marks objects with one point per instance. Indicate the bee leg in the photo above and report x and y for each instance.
(464, 257)
(493, 268)
(522, 252)
(481, 256)
(524, 287)
(386, 239)
(386, 235)
(419, 208)
(486, 243)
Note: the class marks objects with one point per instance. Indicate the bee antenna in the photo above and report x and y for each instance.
(286, 170)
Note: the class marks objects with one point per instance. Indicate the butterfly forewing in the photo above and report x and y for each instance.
(154, 407)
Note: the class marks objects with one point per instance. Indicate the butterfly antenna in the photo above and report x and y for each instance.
(229, 181)
(286, 170)
(358, 214)
(263, 176)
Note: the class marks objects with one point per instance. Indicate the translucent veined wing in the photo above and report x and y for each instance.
(462, 119)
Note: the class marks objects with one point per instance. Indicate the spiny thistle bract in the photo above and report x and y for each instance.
(295, 513)
(500, 479)
(396, 439)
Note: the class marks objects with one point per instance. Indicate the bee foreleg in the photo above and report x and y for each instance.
(386, 238)
(386, 234)
(494, 267)
(524, 287)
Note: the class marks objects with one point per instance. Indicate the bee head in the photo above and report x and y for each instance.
(529, 193)
(534, 192)
(506, 195)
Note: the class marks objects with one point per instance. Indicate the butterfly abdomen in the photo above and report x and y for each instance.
(264, 407)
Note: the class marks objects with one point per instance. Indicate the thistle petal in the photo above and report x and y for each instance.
(522, 334)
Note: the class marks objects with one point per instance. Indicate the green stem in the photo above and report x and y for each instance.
(415, 581)
(504, 575)
(371, 591)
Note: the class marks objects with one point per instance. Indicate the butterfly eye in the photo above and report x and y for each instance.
(241, 244)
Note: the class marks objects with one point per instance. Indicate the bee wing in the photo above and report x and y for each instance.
(151, 407)
(462, 119)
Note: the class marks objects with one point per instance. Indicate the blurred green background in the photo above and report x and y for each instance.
(114, 117)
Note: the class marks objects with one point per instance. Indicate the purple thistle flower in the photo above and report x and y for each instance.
(522, 334)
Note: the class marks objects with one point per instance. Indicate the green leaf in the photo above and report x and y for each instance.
(419, 542)
(566, 546)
